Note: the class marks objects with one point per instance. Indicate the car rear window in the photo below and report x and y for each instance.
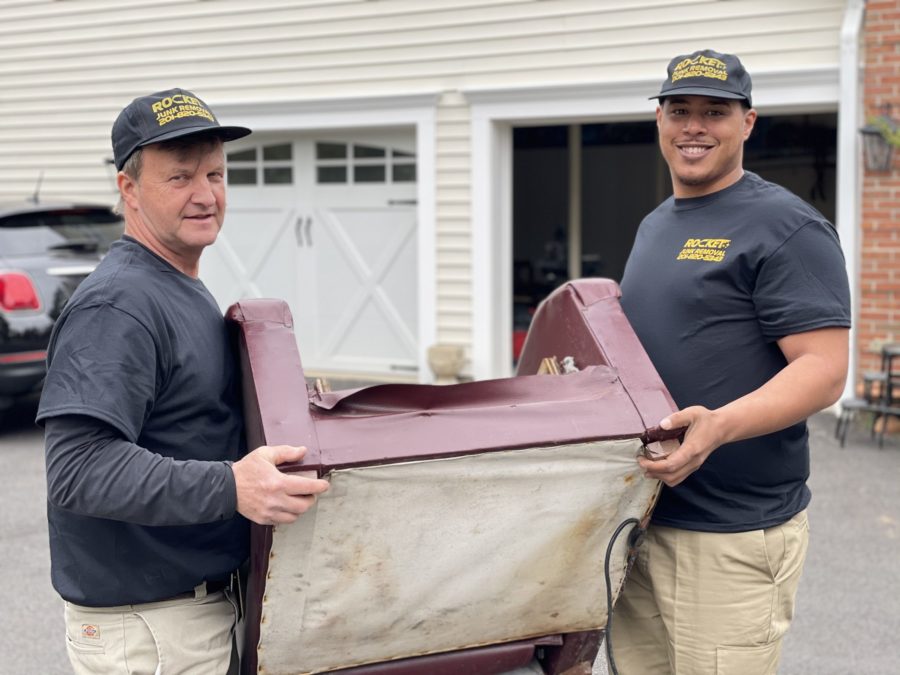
(36, 232)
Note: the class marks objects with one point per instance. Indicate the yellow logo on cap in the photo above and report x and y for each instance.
(179, 105)
(701, 66)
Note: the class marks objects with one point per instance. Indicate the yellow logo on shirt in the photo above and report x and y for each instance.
(707, 250)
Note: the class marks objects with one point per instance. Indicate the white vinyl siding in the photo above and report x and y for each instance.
(454, 240)
(68, 66)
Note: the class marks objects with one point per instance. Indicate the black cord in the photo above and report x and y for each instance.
(634, 541)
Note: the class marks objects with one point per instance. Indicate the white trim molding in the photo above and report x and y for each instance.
(417, 111)
(849, 175)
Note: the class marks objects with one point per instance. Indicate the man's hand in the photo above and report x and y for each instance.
(704, 434)
(813, 379)
(267, 496)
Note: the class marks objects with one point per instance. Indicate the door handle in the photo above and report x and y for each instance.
(402, 202)
(298, 231)
(308, 231)
(303, 231)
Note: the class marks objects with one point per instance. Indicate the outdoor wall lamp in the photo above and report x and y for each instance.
(880, 136)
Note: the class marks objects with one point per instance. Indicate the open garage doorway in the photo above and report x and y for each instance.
(580, 191)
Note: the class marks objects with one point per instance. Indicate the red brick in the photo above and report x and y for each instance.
(886, 255)
(881, 234)
(885, 193)
(876, 278)
(878, 307)
(874, 89)
(874, 8)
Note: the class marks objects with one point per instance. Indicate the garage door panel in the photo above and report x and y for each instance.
(342, 253)
(253, 256)
(395, 283)
(366, 335)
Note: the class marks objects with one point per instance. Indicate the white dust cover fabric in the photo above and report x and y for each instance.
(420, 557)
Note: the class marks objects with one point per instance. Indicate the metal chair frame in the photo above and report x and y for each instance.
(880, 397)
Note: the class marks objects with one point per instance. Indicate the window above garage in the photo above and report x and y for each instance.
(343, 163)
(262, 165)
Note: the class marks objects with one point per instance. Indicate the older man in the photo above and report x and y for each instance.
(149, 484)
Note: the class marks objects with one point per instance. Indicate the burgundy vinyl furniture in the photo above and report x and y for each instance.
(466, 524)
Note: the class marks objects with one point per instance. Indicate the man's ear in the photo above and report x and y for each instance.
(128, 188)
(749, 122)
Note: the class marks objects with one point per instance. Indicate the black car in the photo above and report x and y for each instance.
(46, 250)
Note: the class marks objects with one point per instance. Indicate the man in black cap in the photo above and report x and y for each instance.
(738, 292)
(149, 485)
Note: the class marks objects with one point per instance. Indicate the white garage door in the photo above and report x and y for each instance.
(327, 222)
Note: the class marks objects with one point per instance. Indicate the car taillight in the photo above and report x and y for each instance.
(17, 292)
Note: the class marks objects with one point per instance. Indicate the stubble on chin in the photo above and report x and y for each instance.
(693, 181)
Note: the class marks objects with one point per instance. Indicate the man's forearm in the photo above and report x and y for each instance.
(92, 471)
(804, 387)
(813, 379)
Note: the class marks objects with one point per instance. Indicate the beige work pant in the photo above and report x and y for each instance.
(188, 636)
(701, 603)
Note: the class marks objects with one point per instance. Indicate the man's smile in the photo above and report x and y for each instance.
(201, 217)
(694, 150)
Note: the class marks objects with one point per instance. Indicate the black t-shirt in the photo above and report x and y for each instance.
(710, 286)
(142, 505)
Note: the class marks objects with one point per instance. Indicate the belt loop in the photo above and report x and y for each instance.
(200, 590)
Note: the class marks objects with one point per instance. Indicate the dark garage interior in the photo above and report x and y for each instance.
(622, 178)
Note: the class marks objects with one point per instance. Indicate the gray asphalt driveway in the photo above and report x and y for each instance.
(848, 613)
(847, 618)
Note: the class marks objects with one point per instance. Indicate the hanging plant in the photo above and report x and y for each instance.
(887, 128)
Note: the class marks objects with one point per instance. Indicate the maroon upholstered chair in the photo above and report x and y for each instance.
(466, 525)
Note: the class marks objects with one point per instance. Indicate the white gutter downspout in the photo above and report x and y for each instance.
(849, 176)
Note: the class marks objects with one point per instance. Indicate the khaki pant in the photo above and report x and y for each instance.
(189, 636)
(701, 603)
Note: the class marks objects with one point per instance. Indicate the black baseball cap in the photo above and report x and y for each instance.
(707, 73)
(161, 117)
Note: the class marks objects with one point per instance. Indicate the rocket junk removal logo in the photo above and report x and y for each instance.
(179, 105)
(708, 250)
(701, 66)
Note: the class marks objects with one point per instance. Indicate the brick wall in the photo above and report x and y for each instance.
(879, 299)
